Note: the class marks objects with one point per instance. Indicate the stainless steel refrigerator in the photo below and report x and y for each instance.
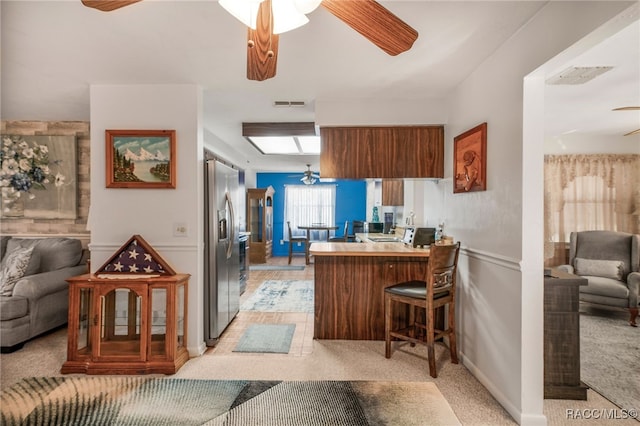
(222, 257)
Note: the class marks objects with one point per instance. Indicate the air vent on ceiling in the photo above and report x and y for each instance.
(577, 75)
(288, 103)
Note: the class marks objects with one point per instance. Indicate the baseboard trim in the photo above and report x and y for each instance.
(198, 350)
(519, 416)
(497, 394)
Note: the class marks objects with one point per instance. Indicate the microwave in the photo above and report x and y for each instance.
(419, 237)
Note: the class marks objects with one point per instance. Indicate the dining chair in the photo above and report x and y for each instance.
(345, 235)
(438, 290)
(293, 240)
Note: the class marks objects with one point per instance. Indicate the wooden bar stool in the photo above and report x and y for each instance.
(438, 290)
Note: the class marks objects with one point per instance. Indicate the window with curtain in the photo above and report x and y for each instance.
(308, 205)
(588, 192)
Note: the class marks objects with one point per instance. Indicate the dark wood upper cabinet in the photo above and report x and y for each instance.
(382, 152)
(392, 192)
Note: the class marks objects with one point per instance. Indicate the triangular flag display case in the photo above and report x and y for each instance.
(129, 317)
(136, 256)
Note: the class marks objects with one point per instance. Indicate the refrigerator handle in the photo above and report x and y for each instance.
(232, 226)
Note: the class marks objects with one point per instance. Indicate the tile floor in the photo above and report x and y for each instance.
(302, 342)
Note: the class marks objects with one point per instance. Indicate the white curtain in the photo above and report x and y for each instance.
(589, 192)
(308, 205)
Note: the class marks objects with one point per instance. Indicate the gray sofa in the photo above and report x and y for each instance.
(39, 300)
(610, 261)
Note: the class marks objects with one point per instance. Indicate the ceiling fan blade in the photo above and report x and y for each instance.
(262, 46)
(108, 5)
(628, 108)
(633, 132)
(375, 22)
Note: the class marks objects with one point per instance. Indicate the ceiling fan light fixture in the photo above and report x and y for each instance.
(245, 11)
(286, 16)
(306, 6)
(308, 180)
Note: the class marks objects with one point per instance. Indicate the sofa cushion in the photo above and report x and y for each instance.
(13, 268)
(599, 268)
(604, 245)
(607, 287)
(55, 252)
(13, 307)
(34, 264)
(4, 239)
(32, 268)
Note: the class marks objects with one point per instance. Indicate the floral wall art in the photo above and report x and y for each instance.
(38, 177)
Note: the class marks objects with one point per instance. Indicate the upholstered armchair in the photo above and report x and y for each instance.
(610, 261)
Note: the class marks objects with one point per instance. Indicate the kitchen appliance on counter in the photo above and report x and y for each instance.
(221, 249)
(360, 227)
(419, 237)
(389, 227)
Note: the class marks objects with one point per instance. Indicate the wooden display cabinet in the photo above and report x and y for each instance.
(260, 223)
(128, 323)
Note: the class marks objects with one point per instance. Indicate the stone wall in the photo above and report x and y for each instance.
(64, 227)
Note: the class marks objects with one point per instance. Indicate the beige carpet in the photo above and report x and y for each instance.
(330, 360)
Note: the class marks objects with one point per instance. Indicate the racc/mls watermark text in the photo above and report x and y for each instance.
(601, 413)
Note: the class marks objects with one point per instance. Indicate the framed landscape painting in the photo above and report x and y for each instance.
(141, 158)
(470, 160)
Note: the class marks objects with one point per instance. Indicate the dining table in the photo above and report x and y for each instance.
(318, 227)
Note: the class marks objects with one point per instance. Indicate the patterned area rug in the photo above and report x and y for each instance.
(269, 338)
(159, 401)
(610, 356)
(281, 296)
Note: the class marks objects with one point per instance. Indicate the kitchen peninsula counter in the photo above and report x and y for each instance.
(367, 249)
(350, 279)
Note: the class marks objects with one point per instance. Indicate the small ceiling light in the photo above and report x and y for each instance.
(308, 180)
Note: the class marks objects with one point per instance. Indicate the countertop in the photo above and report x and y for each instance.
(372, 236)
(366, 249)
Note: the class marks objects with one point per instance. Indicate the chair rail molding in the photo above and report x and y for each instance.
(496, 259)
(157, 246)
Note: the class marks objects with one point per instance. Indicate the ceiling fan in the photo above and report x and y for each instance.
(309, 178)
(368, 17)
(629, 108)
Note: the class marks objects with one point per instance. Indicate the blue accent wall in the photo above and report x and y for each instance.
(351, 203)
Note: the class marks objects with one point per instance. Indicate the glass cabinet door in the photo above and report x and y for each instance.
(158, 321)
(120, 323)
(85, 317)
(255, 218)
(180, 316)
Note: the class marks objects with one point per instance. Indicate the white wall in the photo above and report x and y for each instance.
(500, 305)
(116, 214)
(360, 112)
(576, 143)
(500, 298)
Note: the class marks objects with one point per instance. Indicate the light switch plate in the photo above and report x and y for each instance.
(180, 229)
